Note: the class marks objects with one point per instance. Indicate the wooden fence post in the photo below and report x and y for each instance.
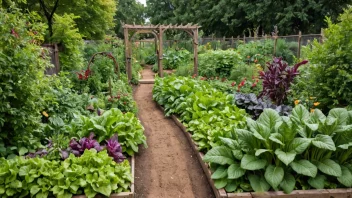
(232, 42)
(299, 44)
(322, 35)
(275, 43)
(244, 38)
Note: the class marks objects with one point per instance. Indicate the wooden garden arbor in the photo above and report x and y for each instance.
(158, 31)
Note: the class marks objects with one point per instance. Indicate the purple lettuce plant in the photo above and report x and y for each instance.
(112, 146)
(277, 79)
(114, 149)
(77, 148)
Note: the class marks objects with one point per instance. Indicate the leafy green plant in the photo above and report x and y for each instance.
(91, 174)
(305, 150)
(207, 112)
(111, 122)
(172, 59)
(218, 63)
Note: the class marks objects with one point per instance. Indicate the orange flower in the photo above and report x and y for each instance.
(248, 57)
(297, 101)
(312, 110)
(255, 60)
(316, 103)
(312, 98)
(45, 114)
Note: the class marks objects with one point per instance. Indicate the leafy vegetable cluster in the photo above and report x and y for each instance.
(207, 112)
(302, 151)
(93, 173)
(126, 125)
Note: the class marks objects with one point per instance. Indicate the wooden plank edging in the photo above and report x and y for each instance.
(221, 193)
(121, 194)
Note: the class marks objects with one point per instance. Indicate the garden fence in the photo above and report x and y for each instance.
(295, 41)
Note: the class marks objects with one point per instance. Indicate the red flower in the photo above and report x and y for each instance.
(242, 83)
(233, 84)
(254, 84)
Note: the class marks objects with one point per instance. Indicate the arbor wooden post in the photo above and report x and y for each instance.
(322, 35)
(195, 49)
(299, 44)
(232, 42)
(244, 38)
(160, 53)
(127, 55)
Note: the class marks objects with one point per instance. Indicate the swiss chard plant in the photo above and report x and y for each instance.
(302, 151)
(277, 80)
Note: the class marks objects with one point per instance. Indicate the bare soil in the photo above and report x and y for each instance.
(169, 167)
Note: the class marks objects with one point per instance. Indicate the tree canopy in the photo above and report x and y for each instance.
(236, 17)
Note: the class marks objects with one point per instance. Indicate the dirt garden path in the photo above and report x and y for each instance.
(168, 168)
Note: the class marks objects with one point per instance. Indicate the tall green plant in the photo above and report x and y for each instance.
(331, 72)
(23, 63)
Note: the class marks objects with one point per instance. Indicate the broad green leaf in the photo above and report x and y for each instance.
(233, 144)
(300, 113)
(299, 145)
(269, 118)
(274, 175)
(277, 137)
(258, 183)
(329, 167)
(235, 171)
(2, 189)
(345, 146)
(250, 162)
(260, 151)
(22, 151)
(346, 177)
(16, 184)
(288, 183)
(237, 154)
(105, 190)
(317, 182)
(259, 130)
(220, 155)
(304, 167)
(341, 114)
(312, 127)
(285, 157)
(324, 142)
(231, 186)
(220, 183)
(221, 172)
(42, 194)
(34, 189)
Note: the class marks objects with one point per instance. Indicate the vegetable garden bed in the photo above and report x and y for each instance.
(121, 194)
(221, 193)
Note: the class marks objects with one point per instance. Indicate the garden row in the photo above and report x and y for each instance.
(68, 134)
(301, 151)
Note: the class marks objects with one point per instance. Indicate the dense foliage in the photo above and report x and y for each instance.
(234, 17)
(21, 75)
(329, 76)
(207, 112)
(92, 173)
(302, 151)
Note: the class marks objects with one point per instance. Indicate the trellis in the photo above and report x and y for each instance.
(158, 31)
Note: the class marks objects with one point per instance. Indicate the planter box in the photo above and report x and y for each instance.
(221, 193)
(121, 194)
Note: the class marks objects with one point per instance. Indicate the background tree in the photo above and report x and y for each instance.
(235, 17)
(128, 12)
